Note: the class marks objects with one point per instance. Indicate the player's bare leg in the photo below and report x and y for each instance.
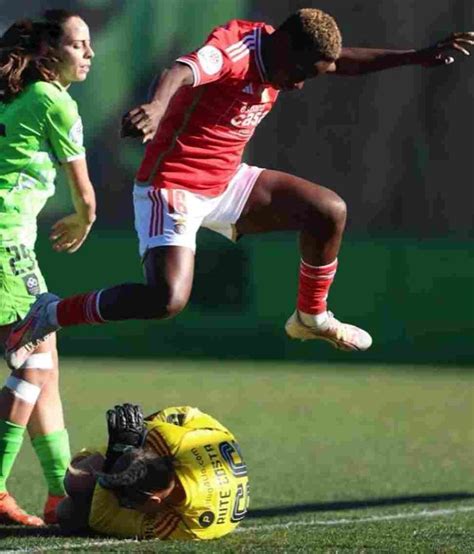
(42, 415)
(12, 406)
(283, 202)
(15, 410)
(50, 439)
(169, 272)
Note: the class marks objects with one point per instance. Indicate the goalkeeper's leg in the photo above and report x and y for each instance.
(73, 511)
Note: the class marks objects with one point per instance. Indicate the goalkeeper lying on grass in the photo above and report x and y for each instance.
(178, 474)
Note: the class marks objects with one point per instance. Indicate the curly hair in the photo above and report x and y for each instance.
(28, 52)
(136, 474)
(314, 30)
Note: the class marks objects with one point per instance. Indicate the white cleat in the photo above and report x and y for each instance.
(342, 336)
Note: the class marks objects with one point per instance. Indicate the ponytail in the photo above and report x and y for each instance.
(136, 474)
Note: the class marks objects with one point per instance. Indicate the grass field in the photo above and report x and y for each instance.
(341, 458)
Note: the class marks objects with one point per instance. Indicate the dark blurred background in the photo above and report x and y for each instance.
(396, 145)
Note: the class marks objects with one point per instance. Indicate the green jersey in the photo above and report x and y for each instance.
(39, 130)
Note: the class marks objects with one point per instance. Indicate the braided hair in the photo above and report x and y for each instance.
(137, 474)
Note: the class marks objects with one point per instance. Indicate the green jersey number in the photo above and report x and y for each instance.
(3, 130)
(20, 256)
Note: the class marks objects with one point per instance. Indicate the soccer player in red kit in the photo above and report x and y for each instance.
(201, 114)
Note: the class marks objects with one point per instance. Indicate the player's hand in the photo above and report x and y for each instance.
(125, 424)
(126, 430)
(142, 121)
(442, 52)
(69, 233)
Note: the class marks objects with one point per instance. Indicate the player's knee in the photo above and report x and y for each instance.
(26, 383)
(40, 368)
(165, 302)
(177, 301)
(329, 215)
(338, 211)
(80, 478)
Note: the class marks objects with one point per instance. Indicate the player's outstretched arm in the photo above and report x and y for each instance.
(126, 429)
(359, 61)
(143, 120)
(69, 233)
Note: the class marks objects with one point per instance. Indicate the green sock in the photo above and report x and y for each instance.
(54, 455)
(11, 437)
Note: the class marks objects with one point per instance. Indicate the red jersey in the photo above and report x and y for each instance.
(202, 136)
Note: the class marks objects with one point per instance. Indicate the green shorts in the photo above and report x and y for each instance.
(20, 281)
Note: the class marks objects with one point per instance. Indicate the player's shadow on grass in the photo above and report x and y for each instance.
(50, 531)
(17, 531)
(20, 531)
(358, 504)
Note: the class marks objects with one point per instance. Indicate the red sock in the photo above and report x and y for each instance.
(313, 287)
(82, 308)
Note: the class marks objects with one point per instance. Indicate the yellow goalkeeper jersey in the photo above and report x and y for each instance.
(211, 470)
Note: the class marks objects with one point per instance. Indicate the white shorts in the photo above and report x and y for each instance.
(172, 217)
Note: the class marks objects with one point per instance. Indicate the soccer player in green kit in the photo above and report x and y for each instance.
(40, 130)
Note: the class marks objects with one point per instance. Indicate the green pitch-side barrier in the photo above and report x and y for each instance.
(416, 299)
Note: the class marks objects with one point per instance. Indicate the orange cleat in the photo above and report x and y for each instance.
(12, 514)
(49, 514)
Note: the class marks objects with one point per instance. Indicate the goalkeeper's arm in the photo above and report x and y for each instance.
(126, 430)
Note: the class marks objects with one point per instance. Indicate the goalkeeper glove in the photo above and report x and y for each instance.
(126, 431)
